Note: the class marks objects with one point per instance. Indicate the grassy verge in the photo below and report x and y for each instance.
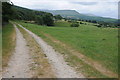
(40, 67)
(99, 44)
(8, 43)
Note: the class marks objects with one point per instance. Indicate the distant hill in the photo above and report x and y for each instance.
(63, 12)
(76, 15)
(88, 14)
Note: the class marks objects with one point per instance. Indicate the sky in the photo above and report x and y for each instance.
(104, 8)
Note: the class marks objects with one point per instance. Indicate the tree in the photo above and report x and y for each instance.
(39, 20)
(48, 19)
(6, 12)
(81, 23)
(58, 17)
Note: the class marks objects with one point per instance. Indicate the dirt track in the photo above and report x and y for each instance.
(18, 66)
(60, 67)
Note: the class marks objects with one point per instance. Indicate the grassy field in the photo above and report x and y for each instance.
(99, 44)
(8, 43)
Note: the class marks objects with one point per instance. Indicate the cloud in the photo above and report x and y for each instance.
(85, 3)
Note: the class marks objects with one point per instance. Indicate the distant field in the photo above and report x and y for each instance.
(62, 24)
(99, 44)
(8, 42)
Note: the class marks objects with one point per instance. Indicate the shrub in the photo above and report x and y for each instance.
(81, 23)
(99, 25)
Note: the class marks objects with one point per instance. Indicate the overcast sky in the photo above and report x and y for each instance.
(105, 8)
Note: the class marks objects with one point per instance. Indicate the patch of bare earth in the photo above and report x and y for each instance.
(18, 66)
(60, 67)
(40, 65)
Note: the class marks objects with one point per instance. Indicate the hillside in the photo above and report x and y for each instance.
(24, 13)
(76, 15)
(39, 17)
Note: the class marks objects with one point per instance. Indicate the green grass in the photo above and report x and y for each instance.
(62, 24)
(8, 42)
(99, 44)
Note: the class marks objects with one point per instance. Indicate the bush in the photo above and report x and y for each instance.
(74, 25)
(81, 23)
(99, 25)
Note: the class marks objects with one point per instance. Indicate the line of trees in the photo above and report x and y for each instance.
(7, 12)
(13, 12)
(41, 18)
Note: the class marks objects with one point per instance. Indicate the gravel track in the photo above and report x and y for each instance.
(18, 66)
